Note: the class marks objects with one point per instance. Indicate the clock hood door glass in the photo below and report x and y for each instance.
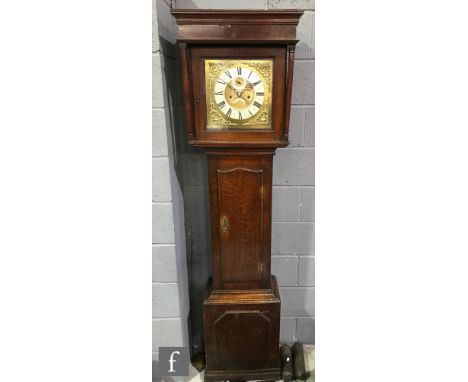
(238, 93)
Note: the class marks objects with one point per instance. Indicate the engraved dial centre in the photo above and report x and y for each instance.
(239, 93)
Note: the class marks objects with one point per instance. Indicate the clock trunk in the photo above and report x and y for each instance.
(240, 207)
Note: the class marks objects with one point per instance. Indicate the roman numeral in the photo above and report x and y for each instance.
(257, 104)
(250, 112)
(256, 83)
(219, 93)
(228, 74)
(240, 116)
(221, 104)
(221, 82)
(229, 112)
(250, 74)
(239, 70)
(260, 93)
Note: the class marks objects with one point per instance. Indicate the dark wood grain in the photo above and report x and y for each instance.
(188, 99)
(237, 26)
(236, 137)
(228, 34)
(240, 189)
(242, 304)
(242, 334)
(241, 208)
(287, 98)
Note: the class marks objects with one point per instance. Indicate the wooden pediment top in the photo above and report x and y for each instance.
(236, 26)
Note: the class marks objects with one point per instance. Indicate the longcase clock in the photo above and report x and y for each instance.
(237, 69)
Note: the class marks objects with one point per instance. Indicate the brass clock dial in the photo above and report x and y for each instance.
(238, 93)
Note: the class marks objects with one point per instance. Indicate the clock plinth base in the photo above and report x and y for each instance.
(242, 334)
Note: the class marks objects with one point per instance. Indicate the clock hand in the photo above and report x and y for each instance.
(244, 94)
(234, 90)
(238, 93)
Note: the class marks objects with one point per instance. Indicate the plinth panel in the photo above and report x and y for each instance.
(242, 334)
(230, 348)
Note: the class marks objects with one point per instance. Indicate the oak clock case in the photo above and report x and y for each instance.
(237, 69)
(261, 117)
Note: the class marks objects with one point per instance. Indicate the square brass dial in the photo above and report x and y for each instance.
(238, 94)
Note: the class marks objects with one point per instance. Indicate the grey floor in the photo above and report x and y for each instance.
(196, 376)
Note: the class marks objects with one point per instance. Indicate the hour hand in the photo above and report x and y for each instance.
(238, 92)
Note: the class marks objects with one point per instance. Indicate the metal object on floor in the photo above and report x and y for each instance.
(309, 360)
(300, 371)
(287, 372)
(198, 361)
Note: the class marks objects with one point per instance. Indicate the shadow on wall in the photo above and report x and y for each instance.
(192, 172)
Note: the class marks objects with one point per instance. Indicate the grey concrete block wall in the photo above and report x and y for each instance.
(288, 330)
(306, 274)
(161, 180)
(297, 119)
(285, 270)
(305, 35)
(158, 97)
(287, 202)
(160, 148)
(166, 300)
(294, 166)
(309, 127)
(220, 4)
(297, 302)
(163, 223)
(292, 238)
(166, 332)
(303, 83)
(164, 263)
(307, 205)
(169, 279)
(305, 330)
(290, 4)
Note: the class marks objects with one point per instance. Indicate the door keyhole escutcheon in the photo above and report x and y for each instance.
(224, 224)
